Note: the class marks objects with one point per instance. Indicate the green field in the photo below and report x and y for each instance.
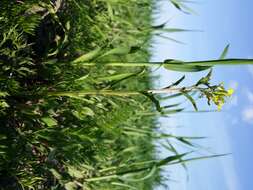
(76, 109)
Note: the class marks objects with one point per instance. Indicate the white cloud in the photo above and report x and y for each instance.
(250, 69)
(233, 101)
(247, 115)
(228, 164)
(249, 96)
(230, 174)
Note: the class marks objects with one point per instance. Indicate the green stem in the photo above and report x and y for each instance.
(173, 63)
(95, 93)
(118, 93)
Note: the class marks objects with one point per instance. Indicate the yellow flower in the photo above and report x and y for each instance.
(230, 92)
(220, 106)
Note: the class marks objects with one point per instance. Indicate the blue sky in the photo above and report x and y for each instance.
(231, 131)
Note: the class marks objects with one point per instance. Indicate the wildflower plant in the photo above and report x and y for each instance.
(213, 93)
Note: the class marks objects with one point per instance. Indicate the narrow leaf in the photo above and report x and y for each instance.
(55, 174)
(171, 159)
(176, 83)
(70, 186)
(117, 51)
(150, 174)
(88, 56)
(123, 185)
(225, 52)
(49, 121)
(184, 141)
(115, 77)
(154, 100)
(191, 100)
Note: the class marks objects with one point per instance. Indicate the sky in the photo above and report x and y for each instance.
(220, 22)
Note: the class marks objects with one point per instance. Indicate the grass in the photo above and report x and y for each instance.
(71, 142)
(77, 107)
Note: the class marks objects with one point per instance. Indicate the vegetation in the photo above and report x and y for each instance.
(77, 105)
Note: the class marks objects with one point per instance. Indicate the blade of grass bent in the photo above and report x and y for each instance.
(225, 52)
(88, 56)
(174, 62)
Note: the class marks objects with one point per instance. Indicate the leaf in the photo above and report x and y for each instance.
(171, 148)
(140, 131)
(128, 150)
(83, 77)
(73, 172)
(187, 9)
(171, 105)
(83, 113)
(3, 94)
(170, 159)
(171, 96)
(160, 26)
(176, 83)
(183, 67)
(49, 121)
(174, 30)
(191, 100)
(128, 77)
(87, 111)
(70, 186)
(115, 77)
(2, 137)
(123, 185)
(168, 38)
(214, 62)
(150, 174)
(88, 56)
(67, 25)
(134, 49)
(225, 52)
(110, 11)
(163, 113)
(176, 4)
(180, 5)
(154, 100)
(202, 158)
(167, 112)
(205, 80)
(183, 140)
(124, 50)
(55, 174)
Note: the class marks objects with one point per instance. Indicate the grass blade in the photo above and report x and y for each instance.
(150, 174)
(124, 185)
(191, 100)
(176, 83)
(88, 56)
(225, 52)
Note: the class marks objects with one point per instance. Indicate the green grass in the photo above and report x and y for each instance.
(77, 107)
(72, 142)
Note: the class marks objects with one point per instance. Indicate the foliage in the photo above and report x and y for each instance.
(65, 142)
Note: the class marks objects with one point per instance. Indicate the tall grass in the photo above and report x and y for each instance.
(55, 142)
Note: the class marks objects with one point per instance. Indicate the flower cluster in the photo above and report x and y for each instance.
(216, 94)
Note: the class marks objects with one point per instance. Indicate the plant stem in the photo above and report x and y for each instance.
(172, 63)
(119, 93)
